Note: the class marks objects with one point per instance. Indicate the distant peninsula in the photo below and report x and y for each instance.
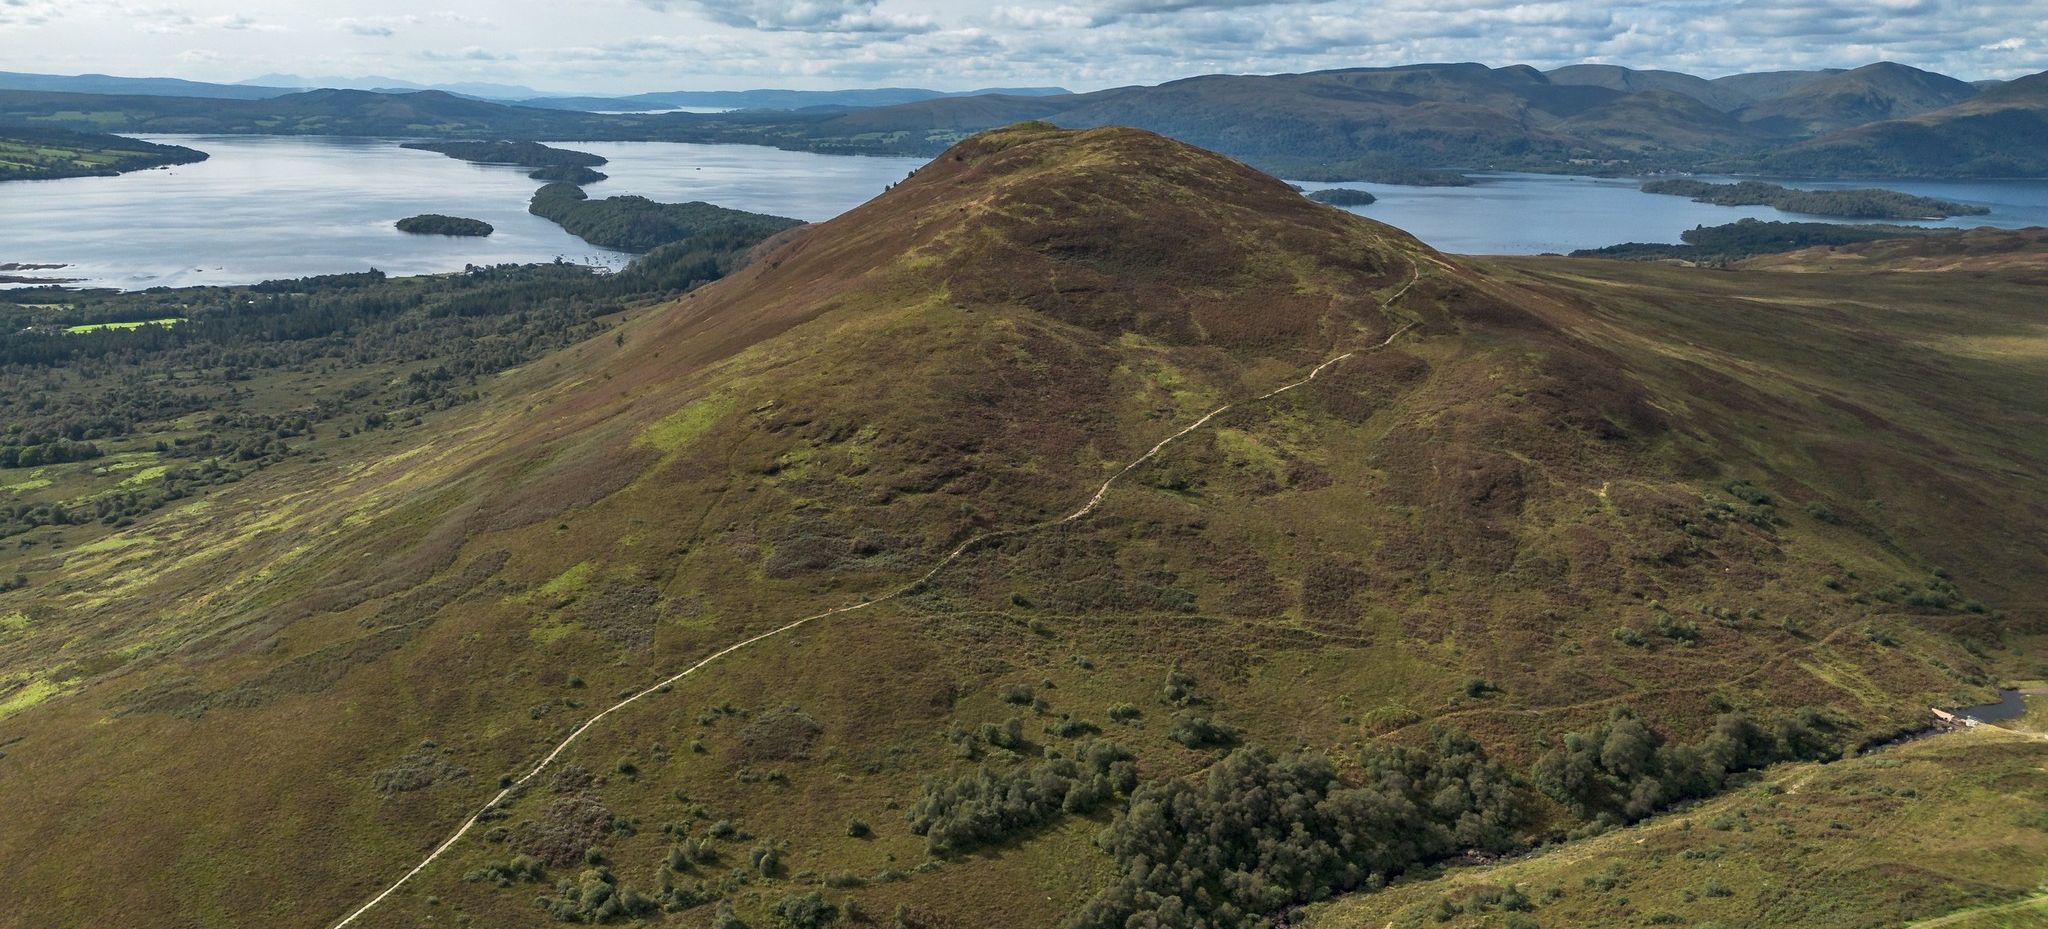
(637, 224)
(39, 154)
(1748, 238)
(1857, 203)
(550, 164)
(1343, 196)
(437, 224)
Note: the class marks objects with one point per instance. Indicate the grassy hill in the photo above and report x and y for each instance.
(1882, 91)
(1531, 493)
(2000, 133)
(1717, 95)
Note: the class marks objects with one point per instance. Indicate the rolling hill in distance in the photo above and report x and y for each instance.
(1042, 529)
(1400, 124)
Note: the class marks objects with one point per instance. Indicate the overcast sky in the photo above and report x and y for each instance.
(639, 45)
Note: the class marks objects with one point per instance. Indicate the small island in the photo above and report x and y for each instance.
(1343, 196)
(1856, 203)
(437, 224)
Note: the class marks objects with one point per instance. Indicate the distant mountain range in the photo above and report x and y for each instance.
(1363, 123)
(269, 86)
(777, 99)
(1340, 124)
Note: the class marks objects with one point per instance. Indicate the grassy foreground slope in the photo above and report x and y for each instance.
(1565, 488)
(1955, 825)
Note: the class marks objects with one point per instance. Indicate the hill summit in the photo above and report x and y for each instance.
(1077, 466)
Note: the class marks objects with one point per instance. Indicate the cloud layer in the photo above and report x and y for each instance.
(633, 45)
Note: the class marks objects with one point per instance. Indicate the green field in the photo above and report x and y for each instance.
(136, 324)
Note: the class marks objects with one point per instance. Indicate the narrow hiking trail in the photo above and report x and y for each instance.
(1094, 503)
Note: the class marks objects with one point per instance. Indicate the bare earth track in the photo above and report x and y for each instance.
(963, 548)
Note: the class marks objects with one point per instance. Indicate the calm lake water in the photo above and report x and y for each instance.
(1529, 214)
(275, 207)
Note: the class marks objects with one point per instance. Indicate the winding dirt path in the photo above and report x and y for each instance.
(963, 548)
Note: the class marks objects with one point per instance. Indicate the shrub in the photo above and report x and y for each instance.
(1068, 727)
(1683, 631)
(1124, 712)
(858, 828)
(522, 868)
(1630, 637)
(1179, 689)
(1199, 732)
(806, 911)
(766, 860)
(595, 897)
(1018, 694)
(987, 806)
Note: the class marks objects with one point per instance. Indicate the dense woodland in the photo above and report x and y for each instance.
(1859, 203)
(636, 224)
(1748, 238)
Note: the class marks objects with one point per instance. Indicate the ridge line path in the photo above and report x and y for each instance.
(1093, 503)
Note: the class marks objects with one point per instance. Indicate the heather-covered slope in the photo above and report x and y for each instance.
(1566, 487)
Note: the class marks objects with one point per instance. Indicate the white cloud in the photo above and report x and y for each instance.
(634, 45)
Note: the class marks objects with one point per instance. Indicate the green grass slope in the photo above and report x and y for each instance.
(1787, 489)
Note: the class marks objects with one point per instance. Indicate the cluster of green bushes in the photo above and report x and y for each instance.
(47, 453)
(637, 224)
(521, 869)
(1620, 770)
(1259, 834)
(595, 896)
(1859, 203)
(988, 806)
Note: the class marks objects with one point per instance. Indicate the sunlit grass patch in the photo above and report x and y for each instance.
(96, 327)
(36, 692)
(685, 425)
